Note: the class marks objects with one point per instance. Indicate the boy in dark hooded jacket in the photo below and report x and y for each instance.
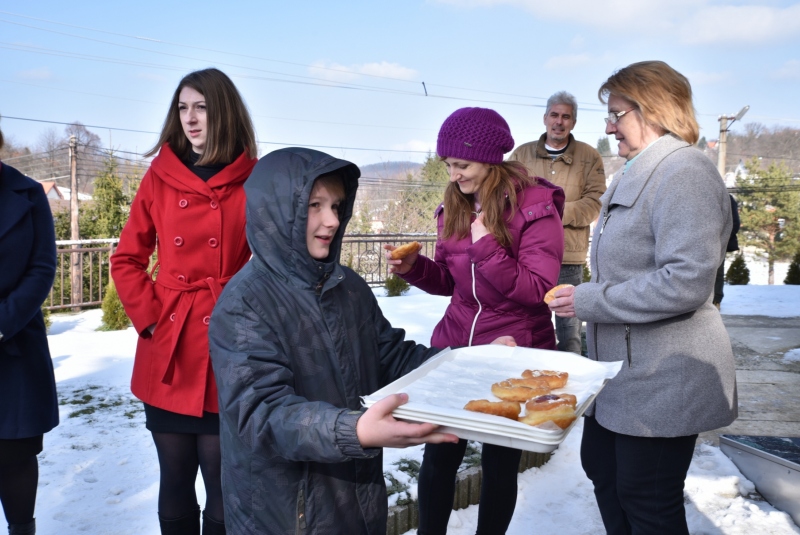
(295, 340)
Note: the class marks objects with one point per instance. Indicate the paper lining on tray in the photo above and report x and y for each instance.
(439, 389)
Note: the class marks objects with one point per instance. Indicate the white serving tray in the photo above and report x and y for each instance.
(439, 389)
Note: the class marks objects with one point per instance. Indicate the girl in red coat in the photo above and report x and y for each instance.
(190, 208)
(499, 251)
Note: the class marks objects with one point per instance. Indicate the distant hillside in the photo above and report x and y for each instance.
(390, 169)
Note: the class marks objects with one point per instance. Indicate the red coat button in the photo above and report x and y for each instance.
(183, 203)
(207, 320)
(178, 241)
(172, 317)
(213, 242)
(181, 278)
(214, 205)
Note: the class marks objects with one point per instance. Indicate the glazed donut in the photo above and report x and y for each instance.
(549, 296)
(510, 391)
(506, 409)
(556, 408)
(553, 379)
(405, 250)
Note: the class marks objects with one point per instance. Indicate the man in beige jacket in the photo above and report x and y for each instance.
(578, 169)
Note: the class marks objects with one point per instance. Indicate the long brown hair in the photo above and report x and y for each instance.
(230, 129)
(662, 95)
(497, 192)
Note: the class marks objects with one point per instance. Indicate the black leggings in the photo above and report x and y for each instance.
(638, 481)
(179, 456)
(437, 485)
(18, 481)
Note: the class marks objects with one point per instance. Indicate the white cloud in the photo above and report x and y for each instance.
(567, 61)
(789, 70)
(415, 145)
(689, 22)
(343, 73)
(577, 42)
(741, 24)
(707, 78)
(42, 73)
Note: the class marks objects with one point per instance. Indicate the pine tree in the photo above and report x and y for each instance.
(793, 275)
(603, 146)
(769, 204)
(738, 274)
(413, 209)
(587, 273)
(108, 212)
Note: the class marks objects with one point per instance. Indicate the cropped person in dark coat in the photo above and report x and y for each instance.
(28, 402)
(733, 245)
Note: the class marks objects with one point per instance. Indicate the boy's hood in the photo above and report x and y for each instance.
(277, 191)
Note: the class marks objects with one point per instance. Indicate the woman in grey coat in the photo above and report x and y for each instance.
(662, 233)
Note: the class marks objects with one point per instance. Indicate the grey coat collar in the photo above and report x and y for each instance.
(641, 170)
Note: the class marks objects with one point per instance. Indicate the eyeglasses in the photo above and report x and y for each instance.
(614, 116)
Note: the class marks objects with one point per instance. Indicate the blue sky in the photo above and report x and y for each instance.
(304, 67)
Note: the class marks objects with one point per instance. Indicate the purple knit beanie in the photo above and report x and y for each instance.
(475, 134)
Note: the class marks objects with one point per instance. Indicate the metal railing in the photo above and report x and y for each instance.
(92, 258)
(363, 253)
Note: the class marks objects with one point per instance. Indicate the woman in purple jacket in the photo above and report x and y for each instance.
(499, 251)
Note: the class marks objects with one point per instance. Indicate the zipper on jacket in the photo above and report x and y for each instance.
(318, 289)
(605, 219)
(628, 341)
(301, 512)
(480, 307)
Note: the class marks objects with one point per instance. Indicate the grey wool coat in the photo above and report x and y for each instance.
(662, 233)
(294, 344)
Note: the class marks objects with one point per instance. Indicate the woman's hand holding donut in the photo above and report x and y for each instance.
(399, 266)
(479, 230)
(564, 303)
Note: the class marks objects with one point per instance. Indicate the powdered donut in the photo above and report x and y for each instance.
(554, 379)
(509, 391)
(556, 408)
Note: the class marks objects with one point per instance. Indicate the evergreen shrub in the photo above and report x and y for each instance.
(793, 275)
(114, 317)
(738, 273)
(587, 273)
(395, 286)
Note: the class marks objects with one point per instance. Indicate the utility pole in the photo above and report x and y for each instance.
(76, 275)
(723, 138)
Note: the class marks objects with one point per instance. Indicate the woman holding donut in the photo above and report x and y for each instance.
(664, 227)
(191, 208)
(499, 250)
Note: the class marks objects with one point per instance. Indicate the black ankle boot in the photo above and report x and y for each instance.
(186, 525)
(23, 529)
(211, 526)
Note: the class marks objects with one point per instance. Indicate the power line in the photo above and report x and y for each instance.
(204, 49)
(259, 142)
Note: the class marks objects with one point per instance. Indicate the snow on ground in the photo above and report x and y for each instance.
(99, 472)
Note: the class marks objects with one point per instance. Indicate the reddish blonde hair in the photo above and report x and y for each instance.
(662, 95)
